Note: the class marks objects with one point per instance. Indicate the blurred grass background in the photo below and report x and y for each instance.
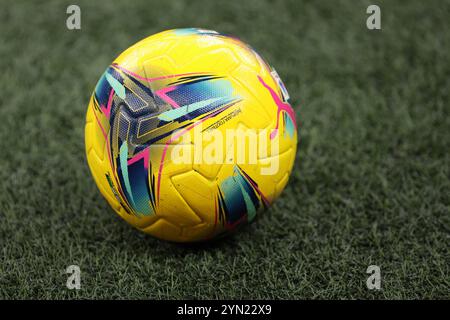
(371, 183)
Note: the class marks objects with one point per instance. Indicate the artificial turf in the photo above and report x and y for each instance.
(371, 179)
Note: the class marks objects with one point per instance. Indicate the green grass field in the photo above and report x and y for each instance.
(371, 179)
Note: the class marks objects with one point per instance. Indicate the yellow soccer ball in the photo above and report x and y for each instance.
(189, 134)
